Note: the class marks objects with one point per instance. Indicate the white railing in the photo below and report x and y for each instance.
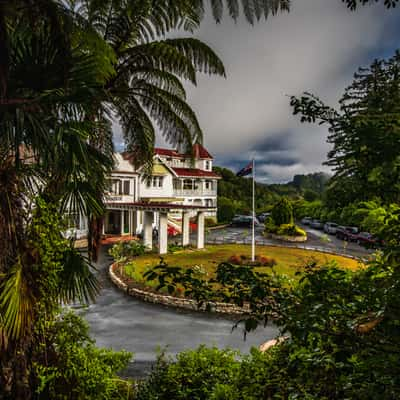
(194, 192)
(115, 198)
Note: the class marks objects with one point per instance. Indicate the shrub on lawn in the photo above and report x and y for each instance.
(235, 259)
(266, 261)
(124, 250)
(260, 261)
(270, 226)
(282, 212)
(290, 230)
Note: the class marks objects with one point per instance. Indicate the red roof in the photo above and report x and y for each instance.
(200, 152)
(167, 152)
(194, 172)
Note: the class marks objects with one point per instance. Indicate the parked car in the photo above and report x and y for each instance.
(263, 216)
(244, 221)
(368, 240)
(348, 233)
(330, 227)
(316, 224)
(306, 220)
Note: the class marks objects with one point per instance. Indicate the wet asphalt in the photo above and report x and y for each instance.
(119, 321)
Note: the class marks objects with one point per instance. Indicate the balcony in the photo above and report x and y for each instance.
(118, 198)
(194, 192)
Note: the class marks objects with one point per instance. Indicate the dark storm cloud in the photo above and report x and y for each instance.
(316, 47)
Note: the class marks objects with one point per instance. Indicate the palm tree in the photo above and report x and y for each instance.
(61, 75)
(44, 135)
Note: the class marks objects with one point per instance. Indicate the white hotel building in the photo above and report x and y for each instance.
(181, 187)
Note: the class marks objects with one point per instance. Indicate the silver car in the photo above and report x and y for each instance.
(331, 228)
(316, 224)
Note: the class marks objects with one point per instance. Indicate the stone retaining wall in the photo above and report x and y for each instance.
(189, 304)
(171, 301)
(290, 239)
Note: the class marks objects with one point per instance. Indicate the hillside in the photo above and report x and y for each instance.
(238, 190)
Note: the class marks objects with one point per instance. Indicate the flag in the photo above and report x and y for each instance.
(247, 170)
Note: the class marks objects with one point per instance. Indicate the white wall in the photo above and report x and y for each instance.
(165, 191)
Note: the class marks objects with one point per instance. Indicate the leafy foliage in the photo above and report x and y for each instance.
(122, 250)
(282, 212)
(364, 133)
(77, 369)
(290, 230)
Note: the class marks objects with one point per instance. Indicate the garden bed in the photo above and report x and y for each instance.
(288, 261)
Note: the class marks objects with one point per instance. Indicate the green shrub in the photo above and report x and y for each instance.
(282, 212)
(124, 250)
(260, 261)
(290, 230)
(226, 210)
(210, 221)
(76, 369)
(201, 374)
(174, 247)
(270, 226)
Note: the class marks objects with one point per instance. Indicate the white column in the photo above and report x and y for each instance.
(185, 228)
(122, 222)
(130, 215)
(163, 233)
(148, 229)
(200, 230)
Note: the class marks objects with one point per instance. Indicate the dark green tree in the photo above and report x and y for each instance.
(282, 212)
(365, 133)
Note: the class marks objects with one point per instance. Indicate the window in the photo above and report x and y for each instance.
(188, 184)
(126, 187)
(208, 185)
(208, 165)
(155, 182)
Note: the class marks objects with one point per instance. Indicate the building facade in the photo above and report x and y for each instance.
(186, 181)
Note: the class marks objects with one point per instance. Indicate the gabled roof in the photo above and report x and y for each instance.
(167, 152)
(195, 173)
(200, 152)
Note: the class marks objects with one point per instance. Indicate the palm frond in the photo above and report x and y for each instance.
(77, 281)
(16, 302)
(137, 129)
(200, 55)
(174, 117)
(157, 55)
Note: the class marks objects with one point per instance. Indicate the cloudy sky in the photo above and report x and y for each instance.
(316, 47)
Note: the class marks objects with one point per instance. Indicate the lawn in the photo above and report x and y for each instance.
(289, 260)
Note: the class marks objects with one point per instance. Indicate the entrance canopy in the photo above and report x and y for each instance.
(157, 207)
(162, 209)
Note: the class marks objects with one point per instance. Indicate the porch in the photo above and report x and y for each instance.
(125, 218)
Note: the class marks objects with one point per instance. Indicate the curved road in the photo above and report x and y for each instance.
(120, 322)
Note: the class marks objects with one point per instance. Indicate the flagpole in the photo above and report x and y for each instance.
(253, 250)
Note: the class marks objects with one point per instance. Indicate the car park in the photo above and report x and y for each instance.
(316, 224)
(330, 227)
(306, 220)
(368, 240)
(348, 233)
(263, 216)
(244, 221)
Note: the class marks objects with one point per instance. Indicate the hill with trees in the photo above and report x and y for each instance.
(235, 193)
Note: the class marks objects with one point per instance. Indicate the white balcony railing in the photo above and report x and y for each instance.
(194, 192)
(116, 198)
